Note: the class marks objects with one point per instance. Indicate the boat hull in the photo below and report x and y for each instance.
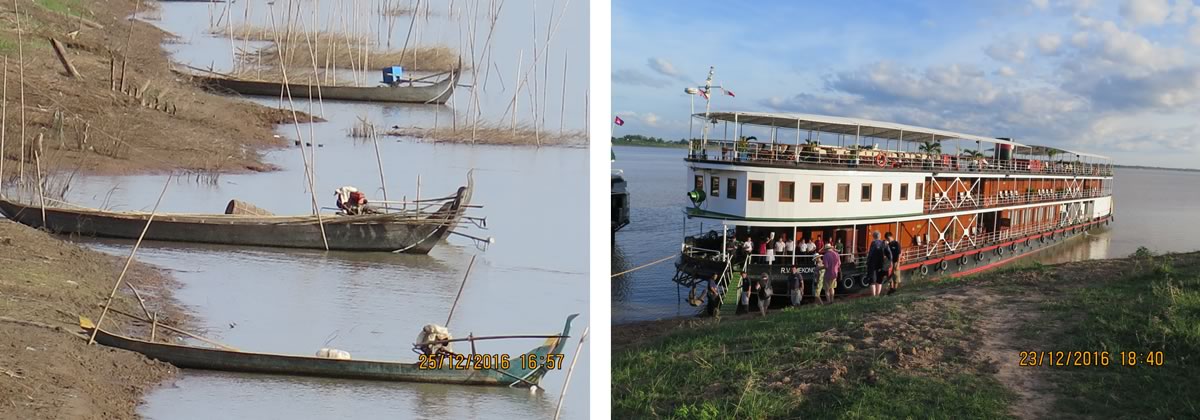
(854, 279)
(347, 233)
(266, 363)
(436, 93)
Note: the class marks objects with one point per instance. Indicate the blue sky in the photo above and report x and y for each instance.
(1119, 78)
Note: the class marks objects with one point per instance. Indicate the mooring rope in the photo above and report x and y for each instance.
(672, 256)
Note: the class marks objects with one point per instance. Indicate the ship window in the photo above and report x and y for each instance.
(816, 192)
(699, 183)
(715, 187)
(731, 189)
(757, 190)
(787, 191)
(866, 192)
(843, 193)
(919, 191)
(887, 192)
(903, 191)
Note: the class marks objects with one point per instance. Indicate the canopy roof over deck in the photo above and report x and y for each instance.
(1044, 150)
(849, 126)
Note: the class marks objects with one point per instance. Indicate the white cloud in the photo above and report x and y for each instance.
(1194, 34)
(636, 78)
(1079, 39)
(1049, 43)
(1145, 12)
(1180, 11)
(1041, 4)
(665, 68)
(1132, 52)
(1007, 51)
(1006, 71)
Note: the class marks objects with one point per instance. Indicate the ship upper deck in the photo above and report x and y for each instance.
(852, 143)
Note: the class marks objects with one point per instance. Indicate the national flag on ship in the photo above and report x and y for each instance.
(704, 93)
(618, 121)
(729, 92)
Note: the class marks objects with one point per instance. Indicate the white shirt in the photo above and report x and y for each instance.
(748, 246)
(779, 246)
(791, 246)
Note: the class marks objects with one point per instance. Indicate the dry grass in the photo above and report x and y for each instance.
(521, 135)
(294, 75)
(438, 58)
(363, 129)
(265, 33)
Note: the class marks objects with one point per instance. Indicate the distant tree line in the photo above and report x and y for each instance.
(640, 140)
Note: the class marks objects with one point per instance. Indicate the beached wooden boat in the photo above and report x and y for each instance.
(425, 93)
(406, 231)
(190, 357)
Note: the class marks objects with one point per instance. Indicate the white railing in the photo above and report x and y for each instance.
(944, 202)
(782, 154)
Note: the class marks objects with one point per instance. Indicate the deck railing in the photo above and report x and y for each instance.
(842, 157)
(944, 202)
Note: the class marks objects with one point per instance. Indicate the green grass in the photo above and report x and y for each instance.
(735, 370)
(66, 7)
(1158, 310)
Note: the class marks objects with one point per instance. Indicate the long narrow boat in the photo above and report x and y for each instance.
(432, 93)
(190, 357)
(407, 231)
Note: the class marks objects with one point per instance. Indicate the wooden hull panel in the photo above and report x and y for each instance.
(437, 93)
(346, 233)
(249, 362)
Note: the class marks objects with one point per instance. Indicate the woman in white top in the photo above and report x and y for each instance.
(790, 247)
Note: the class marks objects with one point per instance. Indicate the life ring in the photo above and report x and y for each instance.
(880, 160)
(962, 260)
(1012, 246)
(978, 256)
(942, 266)
(945, 160)
(1042, 239)
(925, 269)
(999, 250)
(864, 280)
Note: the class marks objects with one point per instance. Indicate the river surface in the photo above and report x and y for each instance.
(374, 304)
(1153, 208)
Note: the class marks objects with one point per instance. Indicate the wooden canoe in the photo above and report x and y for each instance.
(433, 93)
(190, 357)
(392, 232)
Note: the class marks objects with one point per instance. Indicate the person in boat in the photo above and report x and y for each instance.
(351, 201)
(796, 286)
(878, 261)
(763, 287)
(894, 270)
(832, 263)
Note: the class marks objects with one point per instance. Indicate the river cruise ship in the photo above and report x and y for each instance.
(957, 203)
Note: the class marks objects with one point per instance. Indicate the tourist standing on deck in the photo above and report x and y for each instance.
(796, 286)
(820, 243)
(878, 261)
(780, 246)
(790, 246)
(894, 274)
(833, 269)
(762, 250)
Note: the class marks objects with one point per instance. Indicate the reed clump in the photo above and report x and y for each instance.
(491, 133)
(363, 128)
(245, 32)
(299, 76)
(300, 54)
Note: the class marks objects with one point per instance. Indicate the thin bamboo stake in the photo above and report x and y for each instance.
(141, 302)
(37, 160)
(128, 261)
(296, 119)
(460, 290)
(562, 102)
(61, 52)
(379, 162)
(21, 70)
(3, 125)
(170, 328)
(578, 349)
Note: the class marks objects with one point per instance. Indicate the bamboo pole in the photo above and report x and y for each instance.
(460, 290)
(37, 160)
(61, 52)
(128, 261)
(578, 349)
(21, 70)
(3, 125)
(311, 172)
(379, 162)
(141, 302)
(170, 328)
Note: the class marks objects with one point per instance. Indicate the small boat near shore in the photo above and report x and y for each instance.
(421, 91)
(519, 371)
(408, 231)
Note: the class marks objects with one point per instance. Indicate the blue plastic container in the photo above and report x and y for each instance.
(392, 75)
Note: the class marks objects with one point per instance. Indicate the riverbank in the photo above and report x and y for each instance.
(47, 371)
(116, 119)
(945, 350)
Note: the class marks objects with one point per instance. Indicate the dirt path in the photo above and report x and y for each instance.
(1000, 323)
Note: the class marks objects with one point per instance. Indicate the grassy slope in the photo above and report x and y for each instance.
(915, 354)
